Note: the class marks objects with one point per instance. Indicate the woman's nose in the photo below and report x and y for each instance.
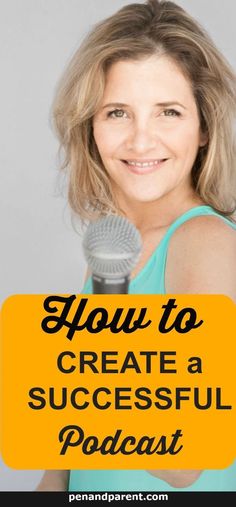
(141, 138)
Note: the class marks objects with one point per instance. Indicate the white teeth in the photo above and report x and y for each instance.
(143, 164)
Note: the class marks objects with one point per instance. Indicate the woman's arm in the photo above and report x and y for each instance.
(201, 260)
(177, 478)
(54, 480)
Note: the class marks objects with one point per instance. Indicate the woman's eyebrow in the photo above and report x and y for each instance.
(159, 104)
(170, 103)
(115, 104)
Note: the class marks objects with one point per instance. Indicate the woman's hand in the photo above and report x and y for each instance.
(177, 478)
(54, 480)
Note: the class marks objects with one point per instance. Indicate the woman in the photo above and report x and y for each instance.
(145, 113)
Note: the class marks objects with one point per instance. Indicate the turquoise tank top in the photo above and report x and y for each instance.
(151, 280)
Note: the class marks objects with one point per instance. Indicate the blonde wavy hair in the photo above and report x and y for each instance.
(135, 32)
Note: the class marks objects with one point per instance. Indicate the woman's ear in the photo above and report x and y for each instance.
(203, 139)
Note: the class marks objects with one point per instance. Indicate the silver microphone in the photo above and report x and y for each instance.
(112, 247)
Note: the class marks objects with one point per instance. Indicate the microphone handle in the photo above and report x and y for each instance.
(105, 285)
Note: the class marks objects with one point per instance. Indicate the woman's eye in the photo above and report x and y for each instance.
(171, 112)
(116, 113)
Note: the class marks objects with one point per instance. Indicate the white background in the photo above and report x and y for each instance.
(40, 251)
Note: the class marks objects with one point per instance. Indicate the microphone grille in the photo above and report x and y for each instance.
(112, 246)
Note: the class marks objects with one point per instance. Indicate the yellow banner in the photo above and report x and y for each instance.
(118, 381)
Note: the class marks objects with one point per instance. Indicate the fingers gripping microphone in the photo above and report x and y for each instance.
(112, 247)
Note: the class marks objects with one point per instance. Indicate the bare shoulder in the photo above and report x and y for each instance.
(202, 258)
(208, 231)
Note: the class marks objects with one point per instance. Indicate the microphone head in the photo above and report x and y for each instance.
(112, 246)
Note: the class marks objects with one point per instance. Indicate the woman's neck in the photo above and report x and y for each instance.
(160, 213)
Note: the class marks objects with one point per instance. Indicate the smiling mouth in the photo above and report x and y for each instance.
(144, 167)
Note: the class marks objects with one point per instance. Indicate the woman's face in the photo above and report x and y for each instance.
(147, 129)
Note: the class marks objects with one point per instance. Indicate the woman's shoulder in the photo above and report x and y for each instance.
(202, 257)
(207, 228)
(208, 232)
